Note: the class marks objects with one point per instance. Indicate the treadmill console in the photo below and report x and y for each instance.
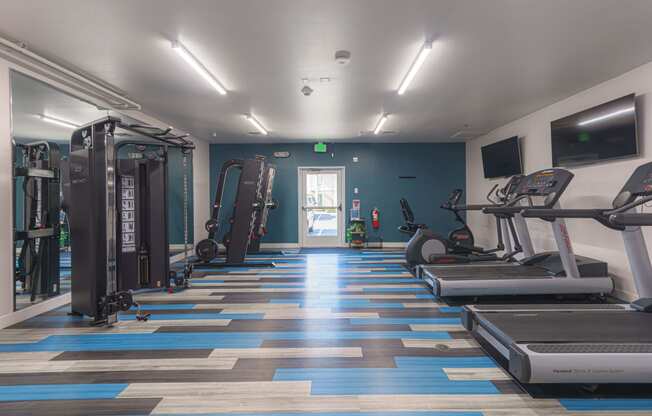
(639, 184)
(511, 187)
(547, 183)
(454, 198)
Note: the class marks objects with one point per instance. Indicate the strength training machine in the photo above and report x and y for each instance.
(37, 266)
(118, 218)
(248, 221)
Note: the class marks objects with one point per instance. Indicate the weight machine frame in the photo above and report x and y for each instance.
(252, 203)
(38, 265)
(95, 289)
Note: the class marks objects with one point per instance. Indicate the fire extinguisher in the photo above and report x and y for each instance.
(375, 219)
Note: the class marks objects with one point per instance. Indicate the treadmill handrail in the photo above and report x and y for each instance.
(550, 214)
(473, 207)
(502, 210)
(631, 219)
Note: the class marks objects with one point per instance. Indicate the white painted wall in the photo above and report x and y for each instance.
(6, 200)
(593, 186)
(201, 172)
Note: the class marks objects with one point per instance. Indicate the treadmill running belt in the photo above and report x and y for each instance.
(617, 327)
(551, 306)
(487, 271)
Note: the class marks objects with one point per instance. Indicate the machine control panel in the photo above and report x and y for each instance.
(549, 183)
(639, 184)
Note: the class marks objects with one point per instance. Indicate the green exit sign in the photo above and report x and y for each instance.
(320, 148)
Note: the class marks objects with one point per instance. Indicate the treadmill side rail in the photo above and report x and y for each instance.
(593, 368)
(528, 285)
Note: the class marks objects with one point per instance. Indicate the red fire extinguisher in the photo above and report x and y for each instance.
(375, 218)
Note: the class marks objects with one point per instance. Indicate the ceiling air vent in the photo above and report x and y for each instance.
(466, 134)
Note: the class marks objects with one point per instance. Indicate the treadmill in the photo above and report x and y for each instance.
(585, 344)
(549, 273)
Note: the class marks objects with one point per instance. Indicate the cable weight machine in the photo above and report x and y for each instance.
(108, 262)
(38, 262)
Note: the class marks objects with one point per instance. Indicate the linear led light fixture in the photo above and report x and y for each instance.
(381, 122)
(58, 122)
(256, 124)
(75, 83)
(606, 116)
(198, 66)
(414, 68)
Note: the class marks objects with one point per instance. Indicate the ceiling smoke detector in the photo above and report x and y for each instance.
(342, 57)
(306, 90)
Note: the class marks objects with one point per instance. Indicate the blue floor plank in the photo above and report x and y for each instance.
(347, 381)
(60, 392)
(612, 405)
(199, 340)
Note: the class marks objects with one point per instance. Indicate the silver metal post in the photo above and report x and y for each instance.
(507, 235)
(639, 259)
(565, 246)
(520, 224)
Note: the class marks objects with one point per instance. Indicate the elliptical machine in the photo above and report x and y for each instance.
(459, 241)
(428, 247)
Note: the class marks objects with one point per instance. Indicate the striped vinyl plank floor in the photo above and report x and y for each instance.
(323, 334)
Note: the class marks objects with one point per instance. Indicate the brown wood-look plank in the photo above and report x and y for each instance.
(89, 377)
(104, 407)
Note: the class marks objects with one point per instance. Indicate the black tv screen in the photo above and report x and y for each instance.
(605, 132)
(502, 159)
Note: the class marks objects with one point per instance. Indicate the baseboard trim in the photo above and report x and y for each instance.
(31, 311)
(386, 244)
(15, 317)
(279, 246)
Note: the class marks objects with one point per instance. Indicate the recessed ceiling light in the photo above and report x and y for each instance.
(198, 67)
(414, 68)
(380, 123)
(58, 122)
(256, 124)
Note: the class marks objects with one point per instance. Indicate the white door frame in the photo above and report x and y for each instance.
(341, 219)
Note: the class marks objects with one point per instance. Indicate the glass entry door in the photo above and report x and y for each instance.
(321, 219)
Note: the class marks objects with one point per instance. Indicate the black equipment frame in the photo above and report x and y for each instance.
(250, 210)
(38, 268)
(93, 215)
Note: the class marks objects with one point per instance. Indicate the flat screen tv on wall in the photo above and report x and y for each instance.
(604, 132)
(502, 159)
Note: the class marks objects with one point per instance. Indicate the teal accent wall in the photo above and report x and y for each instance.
(437, 167)
(175, 194)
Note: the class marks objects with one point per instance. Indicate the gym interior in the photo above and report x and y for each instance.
(372, 207)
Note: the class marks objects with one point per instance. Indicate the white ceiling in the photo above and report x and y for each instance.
(493, 60)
